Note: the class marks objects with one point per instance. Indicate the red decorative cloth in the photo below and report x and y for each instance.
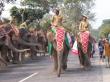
(60, 35)
(84, 37)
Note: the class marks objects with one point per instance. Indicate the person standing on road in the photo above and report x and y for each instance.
(107, 52)
(101, 48)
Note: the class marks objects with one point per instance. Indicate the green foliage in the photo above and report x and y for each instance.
(52, 1)
(33, 14)
(94, 33)
(46, 21)
(26, 14)
(104, 29)
(15, 12)
(71, 1)
(37, 3)
(33, 24)
(46, 24)
(73, 10)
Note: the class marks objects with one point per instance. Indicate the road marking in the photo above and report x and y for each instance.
(29, 77)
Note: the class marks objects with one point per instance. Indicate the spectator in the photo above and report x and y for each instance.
(101, 48)
(107, 52)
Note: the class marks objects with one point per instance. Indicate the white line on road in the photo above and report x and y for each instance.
(29, 77)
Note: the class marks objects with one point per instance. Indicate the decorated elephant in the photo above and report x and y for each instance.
(26, 39)
(57, 51)
(85, 41)
(6, 44)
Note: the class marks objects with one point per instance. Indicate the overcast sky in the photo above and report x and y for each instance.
(101, 9)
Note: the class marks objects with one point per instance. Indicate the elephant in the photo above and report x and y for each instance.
(6, 44)
(42, 39)
(59, 57)
(3, 63)
(85, 41)
(26, 39)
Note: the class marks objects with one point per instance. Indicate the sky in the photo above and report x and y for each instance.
(6, 12)
(101, 10)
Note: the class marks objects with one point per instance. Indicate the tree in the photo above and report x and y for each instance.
(22, 15)
(16, 13)
(36, 8)
(104, 28)
(95, 32)
(73, 10)
(46, 21)
(42, 4)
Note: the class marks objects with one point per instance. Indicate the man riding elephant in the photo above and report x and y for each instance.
(57, 44)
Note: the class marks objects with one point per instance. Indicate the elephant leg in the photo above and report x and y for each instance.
(2, 62)
(10, 55)
(81, 57)
(54, 55)
(4, 51)
(81, 60)
(33, 55)
(87, 61)
(65, 59)
(15, 57)
(59, 56)
(21, 57)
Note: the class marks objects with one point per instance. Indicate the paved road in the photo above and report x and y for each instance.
(40, 70)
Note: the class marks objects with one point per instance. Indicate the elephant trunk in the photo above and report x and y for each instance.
(28, 43)
(59, 56)
(16, 50)
(34, 49)
(10, 45)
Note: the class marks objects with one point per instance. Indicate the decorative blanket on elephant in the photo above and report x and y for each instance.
(50, 45)
(84, 37)
(60, 36)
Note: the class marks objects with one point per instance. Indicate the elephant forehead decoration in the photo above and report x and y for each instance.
(84, 36)
(60, 35)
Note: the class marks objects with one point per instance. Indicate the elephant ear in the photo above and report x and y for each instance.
(50, 36)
